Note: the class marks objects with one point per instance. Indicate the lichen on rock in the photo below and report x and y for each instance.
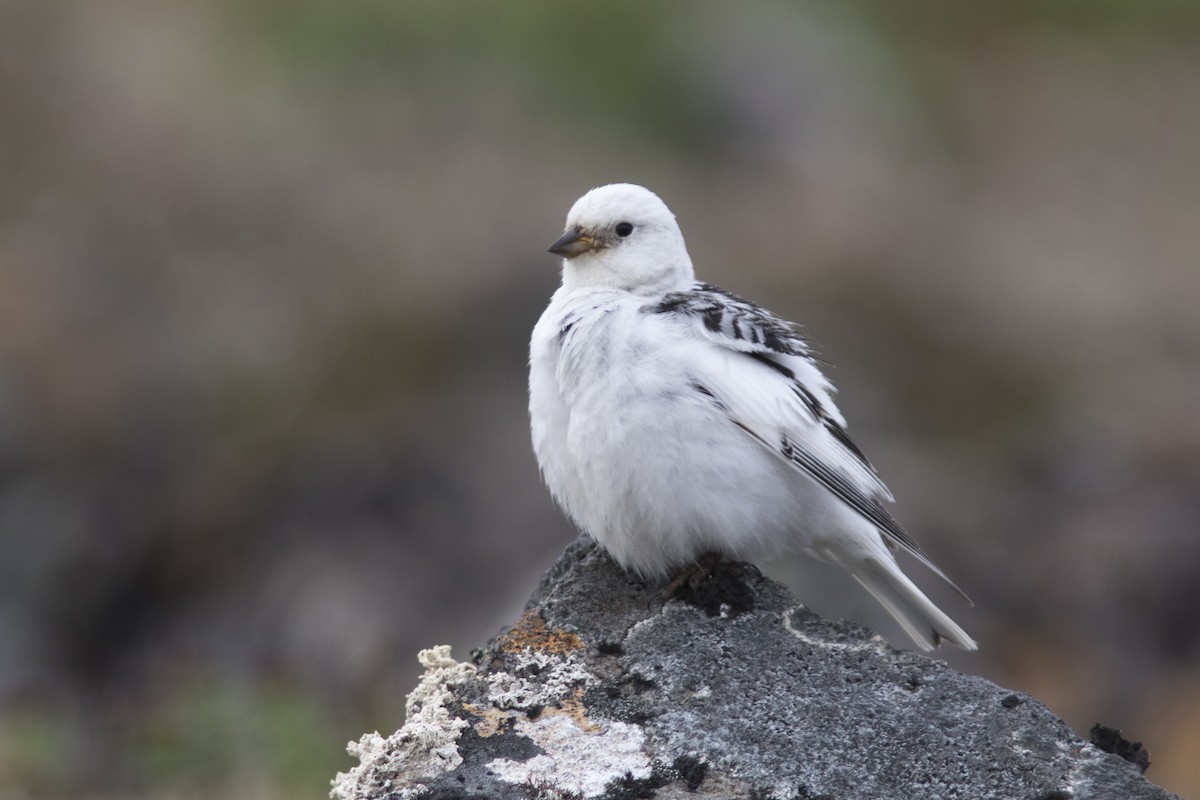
(425, 747)
(604, 689)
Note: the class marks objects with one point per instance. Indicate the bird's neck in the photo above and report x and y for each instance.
(584, 272)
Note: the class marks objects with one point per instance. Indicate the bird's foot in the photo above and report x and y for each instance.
(693, 575)
(719, 588)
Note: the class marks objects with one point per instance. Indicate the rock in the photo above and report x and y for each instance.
(604, 690)
(1110, 740)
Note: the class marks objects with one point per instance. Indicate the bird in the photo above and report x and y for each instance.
(672, 419)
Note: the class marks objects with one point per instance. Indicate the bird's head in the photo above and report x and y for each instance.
(623, 236)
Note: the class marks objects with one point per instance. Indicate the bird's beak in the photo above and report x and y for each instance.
(572, 243)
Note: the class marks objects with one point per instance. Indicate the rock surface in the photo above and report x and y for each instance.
(730, 689)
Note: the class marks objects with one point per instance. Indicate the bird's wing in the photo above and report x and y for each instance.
(760, 372)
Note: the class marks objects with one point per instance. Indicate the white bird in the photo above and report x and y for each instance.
(672, 419)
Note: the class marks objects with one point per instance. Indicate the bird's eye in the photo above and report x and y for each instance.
(624, 229)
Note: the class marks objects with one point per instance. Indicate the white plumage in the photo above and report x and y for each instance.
(672, 419)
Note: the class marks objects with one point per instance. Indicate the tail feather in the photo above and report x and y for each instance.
(927, 624)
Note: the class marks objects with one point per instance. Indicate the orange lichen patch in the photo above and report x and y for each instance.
(531, 632)
(490, 720)
(573, 707)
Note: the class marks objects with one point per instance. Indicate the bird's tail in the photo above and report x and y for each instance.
(927, 624)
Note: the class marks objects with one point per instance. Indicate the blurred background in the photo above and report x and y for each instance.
(268, 271)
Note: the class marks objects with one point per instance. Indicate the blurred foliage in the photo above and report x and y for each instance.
(209, 734)
(32, 744)
(204, 737)
(553, 54)
(953, 23)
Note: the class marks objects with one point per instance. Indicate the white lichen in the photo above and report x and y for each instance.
(425, 747)
(538, 679)
(580, 755)
(875, 643)
(575, 760)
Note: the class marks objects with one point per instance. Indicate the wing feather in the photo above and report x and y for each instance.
(762, 375)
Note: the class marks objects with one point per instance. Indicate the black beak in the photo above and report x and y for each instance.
(571, 243)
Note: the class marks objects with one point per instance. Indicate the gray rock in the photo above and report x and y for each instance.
(729, 689)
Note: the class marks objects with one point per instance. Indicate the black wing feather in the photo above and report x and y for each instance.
(734, 317)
